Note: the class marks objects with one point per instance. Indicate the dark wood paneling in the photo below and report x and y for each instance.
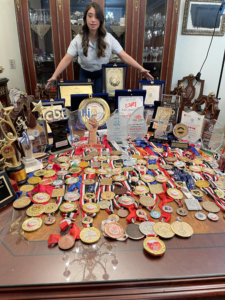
(135, 21)
(23, 50)
(55, 35)
(67, 34)
(129, 37)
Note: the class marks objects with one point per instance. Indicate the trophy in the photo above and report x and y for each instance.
(15, 169)
(180, 131)
(117, 127)
(136, 125)
(173, 102)
(31, 164)
(212, 135)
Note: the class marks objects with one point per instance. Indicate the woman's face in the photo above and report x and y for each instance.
(92, 22)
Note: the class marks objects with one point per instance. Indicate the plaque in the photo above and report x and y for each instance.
(114, 80)
(180, 131)
(212, 135)
(137, 127)
(117, 128)
(173, 102)
(7, 193)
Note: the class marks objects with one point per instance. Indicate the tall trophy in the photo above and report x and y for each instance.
(15, 169)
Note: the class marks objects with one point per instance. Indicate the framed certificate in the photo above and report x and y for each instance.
(67, 88)
(154, 91)
(7, 193)
(113, 78)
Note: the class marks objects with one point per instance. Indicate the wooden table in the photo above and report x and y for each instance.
(190, 268)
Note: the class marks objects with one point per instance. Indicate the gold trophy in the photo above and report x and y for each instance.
(15, 169)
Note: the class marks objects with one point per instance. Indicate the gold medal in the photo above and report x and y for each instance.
(102, 158)
(220, 184)
(208, 170)
(195, 168)
(114, 218)
(118, 165)
(137, 156)
(27, 188)
(41, 197)
(83, 164)
(197, 161)
(88, 181)
(147, 201)
(211, 207)
(197, 193)
(157, 150)
(72, 180)
(184, 158)
(153, 167)
(147, 178)
(106, 181)
(50, 208)
(90, 235)
(102, 171)
(89, 171)
(63, 159)
(34, 180)
(87, 220)
(46, 181)
(91, 207)
(35, 210)
(32, 224)
(116, 171)
(119, 178)
(179, 164)
(87, 157)
(161, 178)
(76, 157)
(115, 152)
(22, 202)
(156, 188)
(75, 170)
(65, 166)
(88, 196)
(174, 193)
(170, 159)
(182, 229)
(68, 207)
(154, 246)
(219, 193)
(114, 157)
(163, 230)
(141, 162)
(40, 173)
(153, 157)
(127, 169)
(50, 173)
(105, 165)
(202, 183)
(108, 195)
(141, 190)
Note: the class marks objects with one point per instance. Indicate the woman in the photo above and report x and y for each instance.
(94, 47)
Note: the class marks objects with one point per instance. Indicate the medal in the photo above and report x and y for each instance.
(50, 173)
(95, 164)
(58, 182)
(41, 197)
(40, 173)
(200, 216)
(72, 196)
(182, 211)
(106, 181)
(102, 171)
(220, 184)
(32, 224)
(137, 156)
(75, 170)
(170, 159)
(89, 171)
(197, 193)
(120, 190)
(72, 180)
(114, 157)
(63, 159)
(141, 162)
(154, 246)
(153, 167)
(116, 171)
(102, 158)
(184, 158)
(88, 181)
(208, 170)
(202, 183)
(108, 195)
(34, 180)
(83, 164)
(105, 165)
(211, 207)
(46, 181)
(147, 201)
(87, 158)
(146, 227)
(174, 193)
(66, 242)
(161, 178)
(115, 152)
(90, 235)
(153, 157)
(35, 210)
(114, 230)
(141, 213)
(155, 214)
(213, 217)
(197, 161)
(195, 168)
(87, 220)
(127, 169)
(147, 178)
(179, 164)
(122, 213)
(27, 188)
(157, 150)
(94, 153)
(113, 218)
(68, 207)
(180, 183)
(91, 207)
(141, 189)
(156, 188)
(49, 220)
(133, 232)
(65, 166)
(219, 193)
(104, 204)
(50, 208)
(126, 200)
(22, 202)
(118, 165)
(119, 178)
(88, 196)
(166, 167)
(62, 172)
(58, 192)
(167, 209)
(182, 229)
(163, 230)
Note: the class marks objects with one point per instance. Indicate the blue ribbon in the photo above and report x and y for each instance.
(25, 138)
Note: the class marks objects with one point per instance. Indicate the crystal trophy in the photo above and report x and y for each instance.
(136, 125)
(117, 127)
(173, 102)
(212, 135)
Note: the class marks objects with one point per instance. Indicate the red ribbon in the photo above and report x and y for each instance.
(104, 141)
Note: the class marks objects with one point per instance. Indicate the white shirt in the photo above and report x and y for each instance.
(92, 62)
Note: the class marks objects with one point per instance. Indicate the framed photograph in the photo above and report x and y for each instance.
(200, 18)
(7, 193)
(113, 78)
(67, 88)
(154, 91)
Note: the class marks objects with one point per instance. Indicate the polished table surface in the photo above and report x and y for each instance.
(190, 266)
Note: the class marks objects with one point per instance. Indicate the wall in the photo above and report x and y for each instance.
(189, 57)
(9, 46)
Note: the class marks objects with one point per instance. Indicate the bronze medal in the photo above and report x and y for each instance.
(114, 230)
(22, 202)
(120, 190)
(211, 207)
(133, 232)
(66, 242)
(49, 220)
(147, 201)
(122, 213)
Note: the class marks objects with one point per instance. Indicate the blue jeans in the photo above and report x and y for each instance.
(95, 76)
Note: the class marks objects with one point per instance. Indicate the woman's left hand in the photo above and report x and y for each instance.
(147, 75)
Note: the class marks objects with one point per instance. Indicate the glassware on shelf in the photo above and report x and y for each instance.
(40, 17)
(151, 53)
(160, 53)
(155, 53)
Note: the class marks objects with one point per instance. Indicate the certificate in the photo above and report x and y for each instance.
(194, 123)
(153, 93)
(67, 90)
(128, 104)
(114, 80)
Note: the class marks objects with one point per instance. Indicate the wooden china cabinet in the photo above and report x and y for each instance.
(146, 29)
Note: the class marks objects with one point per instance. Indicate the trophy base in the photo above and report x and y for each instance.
(182, 145)
(31, 164)
(17, 173)
(69, 148)
(160, 140)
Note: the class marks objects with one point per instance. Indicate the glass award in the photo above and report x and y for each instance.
(212, 135)
(173, 102)
(136, 126)
(117, 127)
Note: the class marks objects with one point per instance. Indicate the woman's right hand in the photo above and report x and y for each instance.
(50, 82)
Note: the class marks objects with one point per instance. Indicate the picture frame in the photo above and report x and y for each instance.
(200, 18)
(154, 91)
(7, 193)
(113, 78)
(67, 88)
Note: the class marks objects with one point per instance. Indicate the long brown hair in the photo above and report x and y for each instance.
(101, 44)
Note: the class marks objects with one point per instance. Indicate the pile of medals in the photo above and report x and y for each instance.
(122, 181)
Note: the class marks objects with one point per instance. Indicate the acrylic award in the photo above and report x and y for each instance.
(136, 126)
(212, 135)
(117, 127)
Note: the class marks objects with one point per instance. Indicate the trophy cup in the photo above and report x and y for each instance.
(15, 169)
(31, 164)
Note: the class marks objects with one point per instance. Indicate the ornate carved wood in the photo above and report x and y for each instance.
(42, 93)
(211, 110)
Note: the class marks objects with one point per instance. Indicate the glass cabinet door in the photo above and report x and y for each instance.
(154, 36)
(115, 22)
(41, 36)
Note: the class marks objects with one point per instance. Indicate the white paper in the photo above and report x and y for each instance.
(194, 123)
(128, 104)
